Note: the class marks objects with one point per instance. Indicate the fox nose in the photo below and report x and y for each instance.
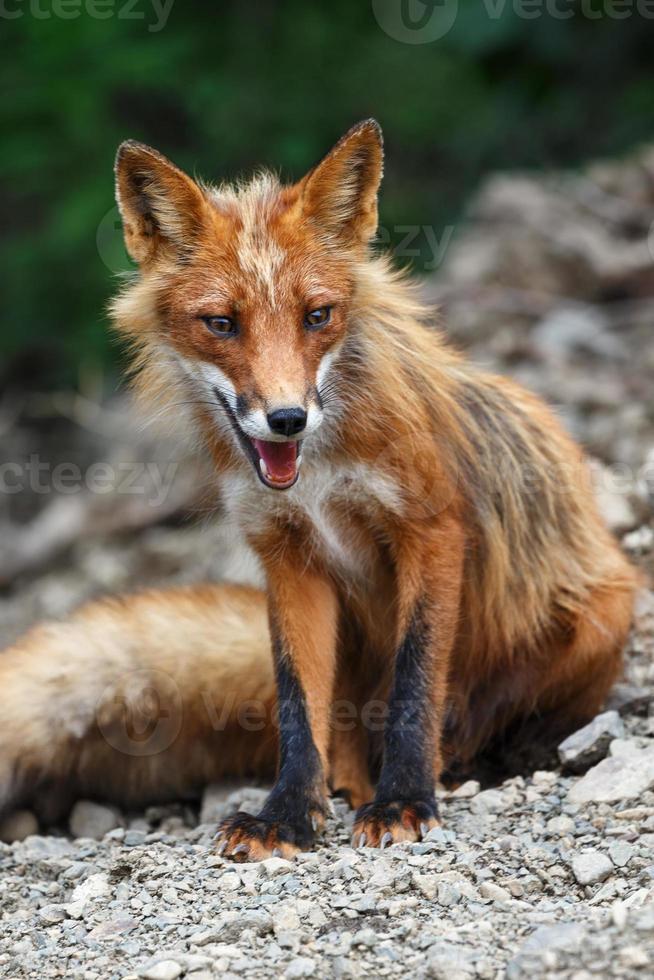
(288, 421)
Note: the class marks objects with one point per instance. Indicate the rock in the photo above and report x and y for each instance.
(448, 894)
(301, 966)
(365, 937)
(427, 885)
(39, 848)
(446, 961)
(467, 790)
(112, 928)
(590, 867)
(134, 838)
(89, 819)
(17, 826)
(286, 919)
(494, 893)
(162, 970)
(276, 866)
(616, 779)
(489, 801)
(621, 853)
(629, 699)
(574, 328)
(53, 914)
(621, 748)
(561, 826)
(565, 935)
(640, 541)
(94, 887)
(590, 744)
(614, 504)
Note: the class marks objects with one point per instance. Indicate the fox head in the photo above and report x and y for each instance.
(247, 291)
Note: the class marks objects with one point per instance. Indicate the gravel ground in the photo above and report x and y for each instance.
(523, 879)
(549, 874)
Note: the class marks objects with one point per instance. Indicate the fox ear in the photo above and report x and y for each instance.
(340, 194)
(159, 205)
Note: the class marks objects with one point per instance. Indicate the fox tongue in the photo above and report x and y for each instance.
(280, 459)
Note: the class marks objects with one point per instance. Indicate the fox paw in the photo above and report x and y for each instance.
(243, 837)
(382, 824)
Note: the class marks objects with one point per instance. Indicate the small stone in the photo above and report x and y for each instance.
(276, 866)
(286, 919)
(93, 887)
(427, 885)
(489, 801)
(619, 915)
(494, 893)
(365, 937)
(621, 853)
(446, 961)
(590, 744)
(133, 838)
(52, 914)
(17, 826)
(640, 541)
(301, 966)
(616, 779)
(447, 894)
(89, 819)
(467, 790)
(162, 970)
(112, 928)
(591, 867)
(230, 881)
(565, 936)
(634, 957)
(629, 699)
(561, 826)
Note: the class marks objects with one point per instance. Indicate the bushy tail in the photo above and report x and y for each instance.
(138, 699)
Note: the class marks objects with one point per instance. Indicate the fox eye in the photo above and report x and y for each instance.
(318, 318)
(221, 326)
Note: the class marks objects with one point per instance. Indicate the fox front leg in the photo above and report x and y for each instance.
(303, 620)
(404, 807)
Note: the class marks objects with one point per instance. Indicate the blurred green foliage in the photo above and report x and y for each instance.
(225, 87)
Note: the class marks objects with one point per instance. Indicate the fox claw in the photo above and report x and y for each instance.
(382, 823)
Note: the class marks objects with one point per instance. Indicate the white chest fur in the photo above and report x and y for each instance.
(325, 496)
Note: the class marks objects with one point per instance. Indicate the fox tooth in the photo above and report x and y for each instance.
(263, 468)
(298, 462)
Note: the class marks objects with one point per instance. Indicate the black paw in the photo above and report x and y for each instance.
(243, 837)
(382, 824)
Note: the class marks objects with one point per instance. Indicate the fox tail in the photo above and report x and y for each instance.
(138, 699)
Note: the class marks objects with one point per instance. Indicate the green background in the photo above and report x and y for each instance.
(225, 87)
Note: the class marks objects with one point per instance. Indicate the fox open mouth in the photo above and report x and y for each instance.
(277, 464)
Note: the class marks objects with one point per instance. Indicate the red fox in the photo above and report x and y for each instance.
(436, 568)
